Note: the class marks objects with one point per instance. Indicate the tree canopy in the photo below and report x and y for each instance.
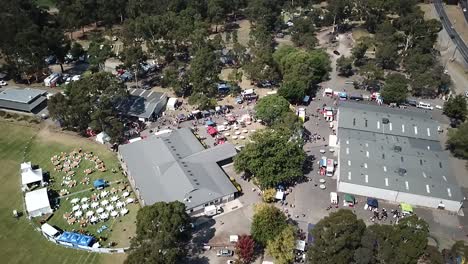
(456, 107)
(162, 233)
(272, 158)
(303, 32)
(336, 237)
(270, 108)
(344, 66)
(245, 249)
(301, 71)
(395, 89)
(342, 238)
(91, 102)
(282, 246)
(458, 141)
(268, 221)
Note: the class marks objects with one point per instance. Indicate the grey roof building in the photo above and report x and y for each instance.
(176, 167)
(395, 155)
(143, 104)
(25, 100)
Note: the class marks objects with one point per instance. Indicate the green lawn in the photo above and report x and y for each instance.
(46, 3)
(20, 243)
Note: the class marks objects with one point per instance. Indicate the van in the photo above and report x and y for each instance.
(424, 106)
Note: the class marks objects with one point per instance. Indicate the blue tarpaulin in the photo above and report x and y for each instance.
(323, 162)
(343, 95)
(310, 237)
(306, 99)
(222, 87)
(99, 183)
(210, 123)
(372, 202)
(76, 239)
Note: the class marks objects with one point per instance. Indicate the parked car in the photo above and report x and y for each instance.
(3, 83)
(225, 253)
(425, 106)
(438, 107)
(336, 52)
(411, 102)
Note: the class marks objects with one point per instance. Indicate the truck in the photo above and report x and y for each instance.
(301, 112)
(330, 167)
(212, 210)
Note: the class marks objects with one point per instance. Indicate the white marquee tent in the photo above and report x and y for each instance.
(37, 202)
(102, 138)
(171, 103)
(28, 175)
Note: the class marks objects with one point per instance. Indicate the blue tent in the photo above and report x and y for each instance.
(372, 202)
(310, 238)
(222, 87)
(76, 239)
(99, 183)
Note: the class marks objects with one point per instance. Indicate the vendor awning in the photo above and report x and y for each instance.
(372, 202)
(406, 207)
(349, 198)
(212, 131)
(99, 183)
(279, 195)
(300, 245)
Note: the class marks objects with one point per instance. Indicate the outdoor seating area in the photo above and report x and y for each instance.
(68, 165)
(98, 207)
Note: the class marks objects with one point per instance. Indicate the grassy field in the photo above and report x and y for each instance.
(46, 3)
(20, 243)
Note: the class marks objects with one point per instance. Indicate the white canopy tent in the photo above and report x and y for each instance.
(37, 202)
(49, 231)
(102, 138)
(171, 103)
(332, 141)
(28, 175)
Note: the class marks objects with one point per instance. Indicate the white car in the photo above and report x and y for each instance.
(3, 83)
(438, 107)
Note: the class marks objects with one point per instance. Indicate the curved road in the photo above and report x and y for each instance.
(450, 30)
(464, 5)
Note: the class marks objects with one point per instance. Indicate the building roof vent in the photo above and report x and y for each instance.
(397, 148)
(401, 172)
(385, 120)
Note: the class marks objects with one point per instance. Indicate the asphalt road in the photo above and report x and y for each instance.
(462, 48)
(464, 5)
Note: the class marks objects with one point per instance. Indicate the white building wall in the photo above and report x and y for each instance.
(397, 197)
(427, 201)
(39, 212)
(367, 191)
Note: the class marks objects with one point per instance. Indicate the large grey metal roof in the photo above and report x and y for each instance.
(24, 96)
(143, 103)
(176, 167)
(396, 159)
(21, 99)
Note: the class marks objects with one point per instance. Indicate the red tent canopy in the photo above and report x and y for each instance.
(212, 131)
